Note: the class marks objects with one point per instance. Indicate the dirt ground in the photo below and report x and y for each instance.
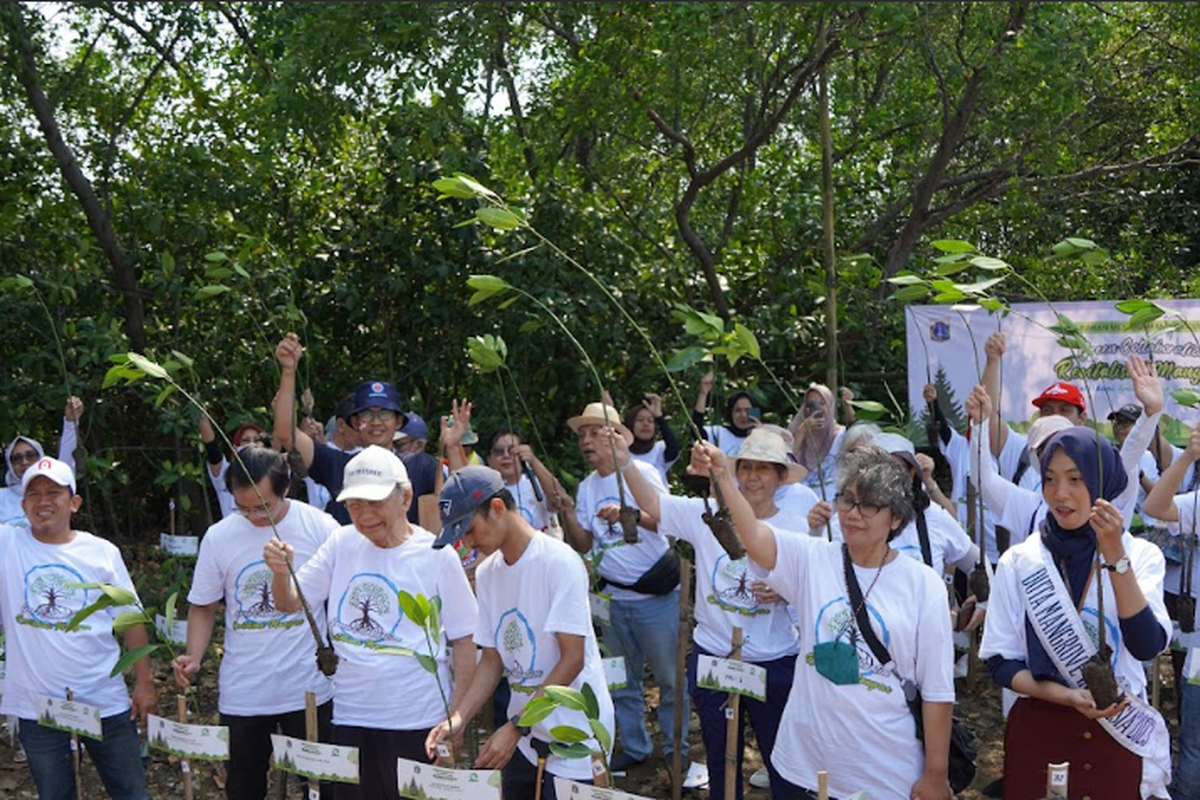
(978, 707)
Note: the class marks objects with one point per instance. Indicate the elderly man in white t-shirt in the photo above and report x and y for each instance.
(268, 663)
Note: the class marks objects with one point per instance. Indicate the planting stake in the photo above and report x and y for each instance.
(685, 591)
(1156, 681)
(312, 734)
(75, 755)
(171, 516)
(822, 785)
(181, 708)
(599, 769)
(1056, 781)
(733, 724)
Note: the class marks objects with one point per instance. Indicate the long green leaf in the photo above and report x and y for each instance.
(589, 698)
(601, 733)
(410, 608)
(101, 602)
(567, 697)
(128, 658)
(569, 734)
(146, 365)
(578, 750)
(128, 619)
(170, 611)
(537, 710)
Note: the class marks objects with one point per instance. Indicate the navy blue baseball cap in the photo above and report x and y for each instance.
(464, 491)
(376, 394)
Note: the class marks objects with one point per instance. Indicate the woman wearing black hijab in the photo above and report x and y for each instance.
(1041, 631)
(741, 417)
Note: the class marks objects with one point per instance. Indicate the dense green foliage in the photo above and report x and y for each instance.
(267, 167)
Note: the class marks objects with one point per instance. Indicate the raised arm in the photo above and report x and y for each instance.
(452, 429)
(1160, 503)
(757, 537)
(994, 349)
(288, 353)
(69, 441)
(983, 474)
(643, 493)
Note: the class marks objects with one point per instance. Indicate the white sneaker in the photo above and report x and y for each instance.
(696, 777)
(761, 779)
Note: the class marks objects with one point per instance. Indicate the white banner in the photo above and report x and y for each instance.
(945, 347)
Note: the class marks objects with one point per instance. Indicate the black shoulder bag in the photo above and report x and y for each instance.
(962, 745)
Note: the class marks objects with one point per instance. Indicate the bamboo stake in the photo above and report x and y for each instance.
(1056, 781)
(599, 772)
(181, 709)
(685, 591)
(733, 723)
(75, 754)
(313, 734)
(822, 785)
(1156, 682)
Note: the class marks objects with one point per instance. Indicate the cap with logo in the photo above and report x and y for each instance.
(1129, 411)
(1064, 392)
(464, 491)
(372, 475)
(51, 468)
(376, 394)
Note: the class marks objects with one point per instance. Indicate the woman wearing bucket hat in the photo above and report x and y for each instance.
(845, 699)
(727, 595)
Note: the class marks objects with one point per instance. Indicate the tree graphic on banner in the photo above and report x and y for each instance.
(949, 403)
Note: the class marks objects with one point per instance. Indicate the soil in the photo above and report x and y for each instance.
(978, 707)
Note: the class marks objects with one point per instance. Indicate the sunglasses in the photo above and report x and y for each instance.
(26, 457)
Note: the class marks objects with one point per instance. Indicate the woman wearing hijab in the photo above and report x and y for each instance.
(1044, 611)
(741, 417)
(645, 420)
(818, 439)
(23, 452)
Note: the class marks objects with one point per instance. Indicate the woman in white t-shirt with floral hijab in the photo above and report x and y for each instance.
(844, 703)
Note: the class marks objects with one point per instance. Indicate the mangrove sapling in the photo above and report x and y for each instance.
(569, 741)
(132, 367)
(425, 613)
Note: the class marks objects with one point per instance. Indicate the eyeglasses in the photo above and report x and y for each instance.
(259, 511)
(845, 505)
(383, 415)
(25, 457)
(502, 451)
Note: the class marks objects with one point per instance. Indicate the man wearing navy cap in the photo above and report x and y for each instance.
(375, 414)
(534, 622)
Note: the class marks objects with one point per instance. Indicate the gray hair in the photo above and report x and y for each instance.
(859, 434)
(879, 480)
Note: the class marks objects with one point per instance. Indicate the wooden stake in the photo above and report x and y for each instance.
(599, 774)
(681, 696)
(733, 723)
(1056, 781)
(311, 733)
(822, 785)
(181, 709)
(75, 754)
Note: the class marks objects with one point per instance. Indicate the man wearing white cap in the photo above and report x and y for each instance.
(642, 579)
(384, 702)
(40, 572)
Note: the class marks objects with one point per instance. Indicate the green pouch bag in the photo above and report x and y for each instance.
(837, 662)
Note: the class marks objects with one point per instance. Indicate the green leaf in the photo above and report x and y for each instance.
(168, 264)
(567, 697)
(146, 365)
(685, 358)
(1082, 244)
(101, 602)
(434, 622)
(128, 658)
(162, 396)
(212, 290)
(475, 186)
(1134, 306)
(483, 354)
(186, 360)
(1144, 317)
(1186, 397)
(907, 279)
(410, 608)
(453, 187)
(748, 341)
(1064, 248)
(217, 273)
(428, 663)
(989, 263)
(949, 296)
(979, 287)
(603, 737)
(128, 619)
(215, 257)
(537, 710)
(499, 218)
(169, 613)
(909, 294)
(423, 604)
(572, 751)
(1095, 257)
(869, 410)
(486, 286)
(569, 734)
(992, 304)
(593, 704)
(954, 246)
(119, 596)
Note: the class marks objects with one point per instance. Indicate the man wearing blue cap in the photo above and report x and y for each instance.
(375, 414)
(534, 622)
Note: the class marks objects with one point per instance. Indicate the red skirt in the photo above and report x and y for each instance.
(1041, 733)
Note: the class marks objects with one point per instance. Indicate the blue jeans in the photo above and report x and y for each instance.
(646, 632)
(117, 759)
(1187, 772)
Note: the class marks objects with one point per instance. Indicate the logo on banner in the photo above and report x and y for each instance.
(939, 331)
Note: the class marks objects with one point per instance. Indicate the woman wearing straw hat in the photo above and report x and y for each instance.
(727, 595)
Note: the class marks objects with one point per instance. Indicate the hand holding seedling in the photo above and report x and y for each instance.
(277, 555)
(819, 515)
(929, 393)
(288, 352)
(74, 409)
(978, 404)
(706, 456)
(1081, 700)
(1109, 525)
(1146, 384)
(995, 346)
(185, 668)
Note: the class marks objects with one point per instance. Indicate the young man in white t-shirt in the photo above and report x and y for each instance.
(40, 572)
(534, 625)
(384, 702)
(268, 663)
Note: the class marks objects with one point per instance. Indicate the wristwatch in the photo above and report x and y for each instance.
(524, 730)
(1121, 566)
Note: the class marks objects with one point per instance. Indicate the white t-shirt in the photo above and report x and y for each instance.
(230, 568)
(830, 727)
(722, 437)
(11, 512)
(828, 470)
(1185, 505)
(948, 543)
(1004, 634)
(957, 453)
(527, 503)
(38, 602)
(521, 608)
(1010, 458)
(723, 596)
(796, 500)
(656, 457)
(376, 686)
(621, 562)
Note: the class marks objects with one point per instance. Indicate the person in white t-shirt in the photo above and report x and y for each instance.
(22, 452)
(268, 663)
(642, 580)
(534, 625)
(41, 572)
(728, 596)
(646, 422)
(515, 461)
(384, 702)
(846, 712)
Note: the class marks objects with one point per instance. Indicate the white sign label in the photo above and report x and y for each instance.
(570, 790)
(203, 742)
(599, 604)
(321, 762)
(179, 545)
(178, 632)
(614, 672)
(70, 715)
(429, 780)
(724, 675)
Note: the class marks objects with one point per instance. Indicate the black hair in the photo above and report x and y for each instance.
(345, 407)
(504, 495)
(259, 462)
(505, 430)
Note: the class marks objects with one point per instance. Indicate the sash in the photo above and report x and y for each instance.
(1140, 729)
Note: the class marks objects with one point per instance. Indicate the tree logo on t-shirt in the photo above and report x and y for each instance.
(835, 620)
(255, 605)
(368, 613)
(731, 588)
(52, 596)
(518, 648)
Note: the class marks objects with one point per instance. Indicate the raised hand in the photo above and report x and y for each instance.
(978, 404)
(74, 409)
(1146, 384)
(929, 393)
(654, 403)
(995, 346)
(288, 352)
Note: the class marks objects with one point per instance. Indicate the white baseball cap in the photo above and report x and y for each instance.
(53, 469)
(372, 475)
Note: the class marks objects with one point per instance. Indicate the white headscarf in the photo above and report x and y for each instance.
(10, 477)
